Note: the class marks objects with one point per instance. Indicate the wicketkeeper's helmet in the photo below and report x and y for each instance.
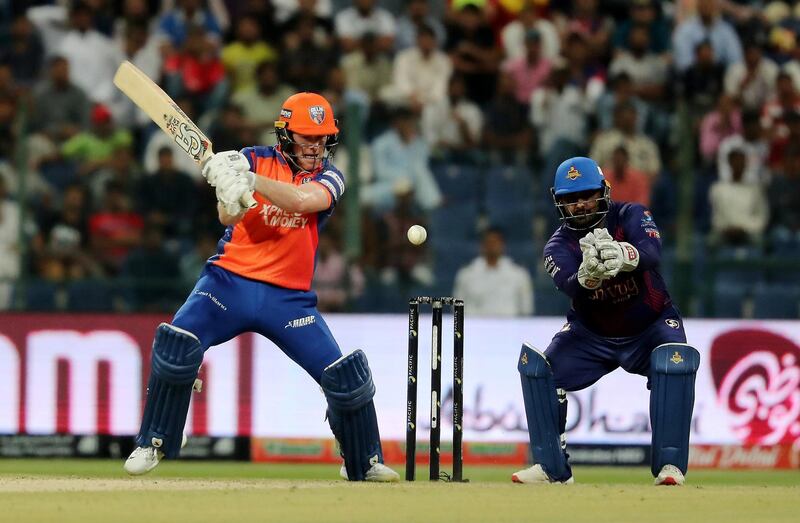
(580, 174)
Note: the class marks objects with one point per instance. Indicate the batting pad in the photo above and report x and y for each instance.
(349, 389)
(177, 355)
(542, 412)
(673, 367)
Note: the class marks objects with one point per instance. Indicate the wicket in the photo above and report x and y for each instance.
(437, 304)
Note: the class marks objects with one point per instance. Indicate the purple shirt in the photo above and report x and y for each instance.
(628, 303)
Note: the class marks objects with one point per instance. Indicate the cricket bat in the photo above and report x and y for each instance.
(151, 99)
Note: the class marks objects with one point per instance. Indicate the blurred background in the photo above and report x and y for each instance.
(454, 115)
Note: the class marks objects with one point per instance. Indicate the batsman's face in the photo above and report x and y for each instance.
(309, 150)
(582, 205)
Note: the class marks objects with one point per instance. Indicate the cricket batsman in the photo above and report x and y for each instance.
(259, 281)
(605, 257)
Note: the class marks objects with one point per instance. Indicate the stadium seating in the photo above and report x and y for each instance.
(776, 301)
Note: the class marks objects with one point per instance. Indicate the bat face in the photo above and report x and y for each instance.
(186, 135)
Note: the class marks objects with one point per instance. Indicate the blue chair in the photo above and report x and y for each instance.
(548, 300)
(454, 222)
(449, 257)
(515, 220)
(728, 301)
(525, 253)
(777, 301)
(458, 183)
(89, 296)
(39, 295)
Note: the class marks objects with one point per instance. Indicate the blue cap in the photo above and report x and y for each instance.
(578, 174)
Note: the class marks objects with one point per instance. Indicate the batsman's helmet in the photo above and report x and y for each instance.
(309, 114)
(580, 175)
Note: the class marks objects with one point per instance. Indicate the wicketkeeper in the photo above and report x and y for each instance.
(605, 257)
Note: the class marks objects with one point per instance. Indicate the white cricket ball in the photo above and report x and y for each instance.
(417, 234)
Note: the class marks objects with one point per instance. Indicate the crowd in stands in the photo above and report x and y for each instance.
(463, 108)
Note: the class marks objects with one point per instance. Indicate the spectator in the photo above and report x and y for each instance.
(191, 263)
(114, 229)
(242, 56)
(420, 73)
(197, 72)
(621, 92)
(417, 16)
(774, 113)
(138, 47)
(472, 49)
(706, 26)
(784, 199)
(628, 184)
(739, 211)
(122, 168)
(230, 131)
(594, 27)
(755, 149)
(648, 70)
(352, 23)
(93, 149)
(11, 260)
(23, 51)
(154, 273)
(701, 83)
(643, 152)
(492, 284)
(340, 96)
(183, 162)
(262, 105)
(644, 13)
(752, 81)
(584, 70)
(60, 109)
(717, 125)
(60, 246)
(174, 24)
(530, 70)
(336, 282)
(452, 127)
(366, 69)
(9, 129)
(400, 166)
(559, 113)
(307, 57)
(514, 35)
(506, 133)
(167, 197)
(135, 12)
(401, 262)
(92, 56)
(287, 11)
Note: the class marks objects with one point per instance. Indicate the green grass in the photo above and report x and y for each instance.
(89, 491)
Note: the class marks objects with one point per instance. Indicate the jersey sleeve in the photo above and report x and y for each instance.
(642, 232)
(249, 153)
(562, 265)
(333, 180)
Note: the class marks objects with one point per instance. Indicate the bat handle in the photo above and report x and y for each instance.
(248, 201)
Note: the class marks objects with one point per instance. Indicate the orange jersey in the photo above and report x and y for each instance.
(270, 244)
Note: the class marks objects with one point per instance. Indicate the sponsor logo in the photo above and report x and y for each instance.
(317, 114)
(672, 323)
(631, 252)
(286, 113)
(757, 377)
(573, 173)
(213, 299)
(676, 358)
(616, 291)
(301, 322)
(306, 179)
(653, 233)
(274, 216)
(550, 266)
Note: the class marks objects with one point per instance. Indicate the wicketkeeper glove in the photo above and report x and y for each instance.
(616, 256)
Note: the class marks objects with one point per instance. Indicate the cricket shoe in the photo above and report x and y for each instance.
(378, 473)
(669, 475)
(536, 475)
(144, 459)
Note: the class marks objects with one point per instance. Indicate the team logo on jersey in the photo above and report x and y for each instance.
(306, 179)
(300, 322)
(653, 233)
(524, 359)
(573, 173)
(317, 114)
(672, 323)
(286, 113)
(676, 358)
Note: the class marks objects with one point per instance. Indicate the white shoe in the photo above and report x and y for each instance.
(536, 474)
(378, 473)
(670, 475)
(144, 459)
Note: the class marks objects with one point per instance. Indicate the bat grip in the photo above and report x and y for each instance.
(248, 201)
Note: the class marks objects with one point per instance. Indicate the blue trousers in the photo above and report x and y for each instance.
(223, 305)
(580, 357)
